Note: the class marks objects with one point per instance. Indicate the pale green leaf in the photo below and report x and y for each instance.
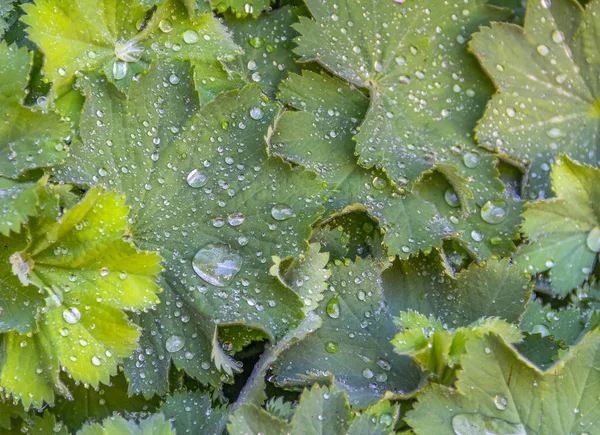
(562, 231)
(116, 425)
(499, 392)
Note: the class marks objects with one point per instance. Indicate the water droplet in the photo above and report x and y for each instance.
(173, 79)
(593, 239)
(471, 424)
(251, 65)
(281, 212)
(331, 346)
(96, 360)
(471, 159)
(71, 315)
(196, 179)
(477, 236)
(558, 36)
(494, 212)
(500, 401)
(248, 8)
(191, 36)
(165, 25)
(451, 197)
(236, 219)
(386, 419)
(333, 308)
(119, 70)
(384, 365)
(540, 329)
(553, 133)
(379, 183)
(543, 50)
(217, 264)
(256, 113)
(361, 295)
(511, 112)
(129, 51)
(367, 373)
(174, 343)
(256, 42)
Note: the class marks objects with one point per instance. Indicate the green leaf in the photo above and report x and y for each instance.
(18, 303)
(353, 343)
(423, 84)
(319, 137)
(564, 231)
(241, 8)
(499, 392)
(115, 37)
(228, 215)
(90, 274)
(267, 43)
(305, 275)
(87, 404)
(548, 87)
(423, 284)
(6, 7)
(437, 348)
(321, 410)
(44, 425)
(565, 325)
(193, 412)
(19, 201)
(116, 425)
(28, 139)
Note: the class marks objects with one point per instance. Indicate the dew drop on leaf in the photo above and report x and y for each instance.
(333, 308)
(235, 219)
(165, 26)
(494, 212)
(96, 360)
(500, 402)
(471, 159)
(119, 70)
(379, 183)
(217, 264)
(174, 343)
(256, 113)
(71, 315)
(331, 346)
(477, 236)
(451, 197)
(191, 36)
(196, 179)
(281, 212)
(593, 239)
(367, 373)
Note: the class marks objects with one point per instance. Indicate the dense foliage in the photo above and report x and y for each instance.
(299, 217)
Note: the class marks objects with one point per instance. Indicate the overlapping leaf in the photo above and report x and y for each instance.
(565, 231)
(153, 425)
(547, 75)
(208, 195)
(89, 275)
(423, 83)
(353, 342)
(28, 139)
(499, 392)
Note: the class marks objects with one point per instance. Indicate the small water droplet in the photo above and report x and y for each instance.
(256, 42)
(236, 219)
(553, 133)
(367, 373)
(165, 25)
(593, 239)
(331, 346)
(477, 236)
(71, 315)
(451, 198)
(333, 308)
(494, 212)
(540, 329)
(543, 50)
(558, 36)
(119, 70)
(196, 179)
(173, 79)
(379, 183)
(217, 264)
(96, 360)
(281, 212)
(191, 36)
(471, 159)
(174, 343)
(500, 401)
(256, 113)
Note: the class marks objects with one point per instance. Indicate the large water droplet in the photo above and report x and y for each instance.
(593, 239)
(196, 179)
(379, 183)
(494, 212)
(165, 25)
(174, 343)
(119, 70)
(191, 36)
(71, 315)
(281, 212)
(256, 113)
(558, 36)
(129, 51)
(367, 373)
(217, 264)
(451, 197)
(333, 308)
(96, 360)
